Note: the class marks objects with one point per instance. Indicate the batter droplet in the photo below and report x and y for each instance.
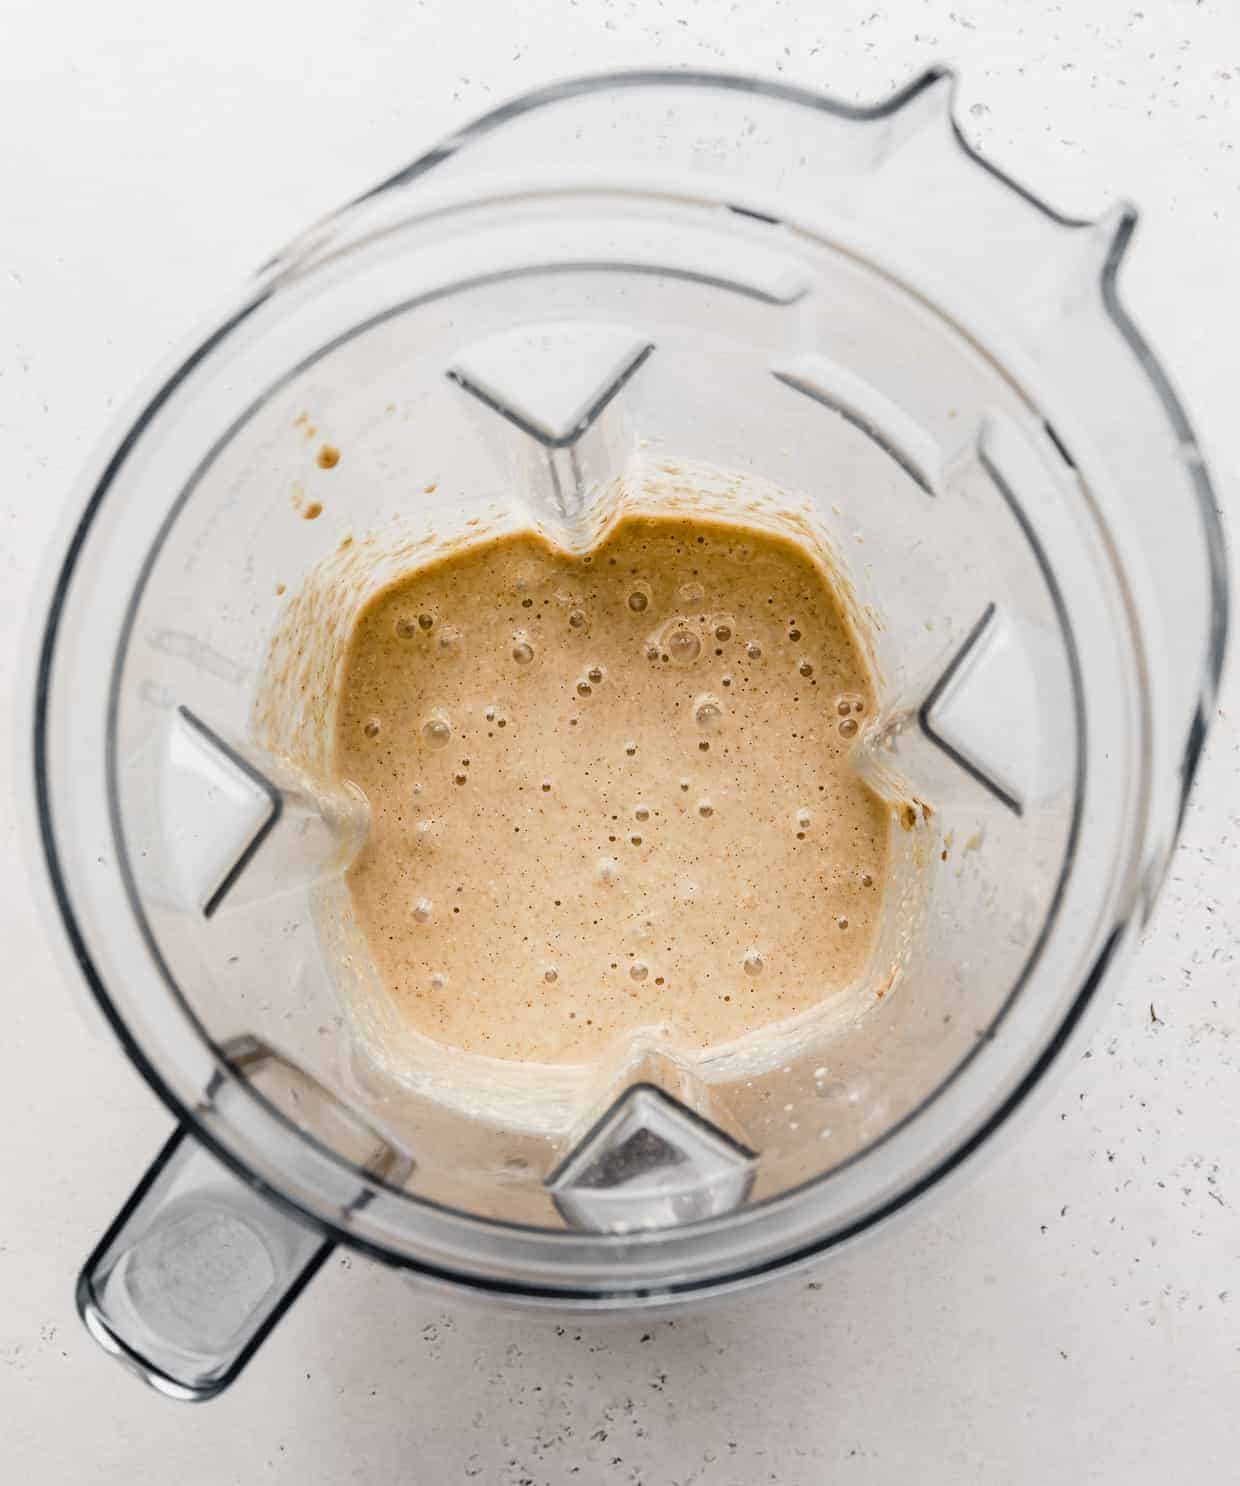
(523, 652)
(638, 970)
(848, 728)
(683, 646)
(437, 730)
(753, 963)
(842, 921)
(584, 688)
(423, 911)
(638, 601)
(708, 712)
(595, 674)
(371, 727)
(426, 621)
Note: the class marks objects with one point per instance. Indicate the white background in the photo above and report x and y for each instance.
(1070, 1315)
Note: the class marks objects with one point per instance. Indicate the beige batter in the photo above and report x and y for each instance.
(611, 791)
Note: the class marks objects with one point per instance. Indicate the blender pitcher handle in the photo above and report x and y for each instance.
(193, 1274)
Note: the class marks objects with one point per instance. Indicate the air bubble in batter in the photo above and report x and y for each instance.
(683, 646)
(708, 711)
(437, 730)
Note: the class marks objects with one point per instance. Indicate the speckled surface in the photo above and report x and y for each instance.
(1072, 1312)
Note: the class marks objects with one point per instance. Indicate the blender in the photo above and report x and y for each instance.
(598, 283)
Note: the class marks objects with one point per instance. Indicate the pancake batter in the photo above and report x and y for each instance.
(611, 791)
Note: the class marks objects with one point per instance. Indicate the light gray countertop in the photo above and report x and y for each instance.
(1071, 1313)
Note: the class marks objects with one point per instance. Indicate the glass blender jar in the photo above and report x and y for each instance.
(845, 302)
